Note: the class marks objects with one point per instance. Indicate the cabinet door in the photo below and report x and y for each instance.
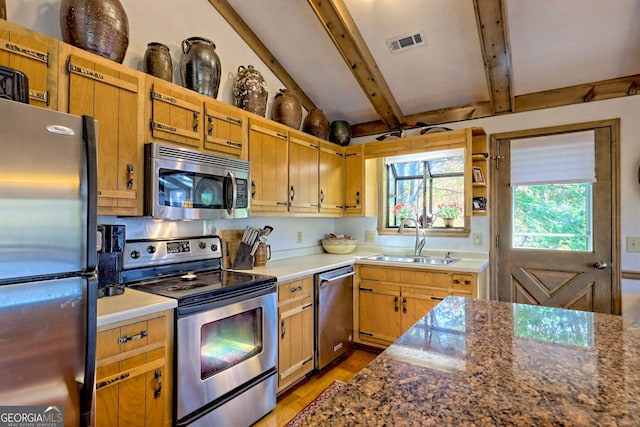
(379, 312)
(354, 181)
(175, 114)
(416, 302)
(269, 166)
(296, 333)
(112, 94)
(36, 56)
(465, 284)
(224, 130)
(331, 180)
(303, 173)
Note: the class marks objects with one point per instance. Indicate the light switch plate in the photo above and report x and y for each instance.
(299, 236)
(633, 244)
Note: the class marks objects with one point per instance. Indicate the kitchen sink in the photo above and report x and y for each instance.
(413, 259)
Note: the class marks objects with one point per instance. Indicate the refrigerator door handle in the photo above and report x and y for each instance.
(87, 387)
(89, 135)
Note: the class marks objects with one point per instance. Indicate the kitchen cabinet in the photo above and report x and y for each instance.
(303, 172)
(224, 131)
(113, 95)
(331, 171)
(174, 114)
(296, 333)
(268, 154)
(354, 171)
(391, 300)
(134, 372)
(35, 55)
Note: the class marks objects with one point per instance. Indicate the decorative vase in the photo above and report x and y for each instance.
(200, 66)
(286, 109)
(316, 124)
(262, 255)
(340, 132)
(448, 222)
(250, 90)
(157, 61)
(98, 26)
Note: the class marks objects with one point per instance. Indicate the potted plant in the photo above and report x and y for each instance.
(449, 212)
(405, 210)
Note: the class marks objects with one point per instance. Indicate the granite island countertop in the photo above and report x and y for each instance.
(472, 362)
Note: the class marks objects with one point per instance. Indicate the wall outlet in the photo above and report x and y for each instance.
(477, 239)
(370, 235)
(633, 244)
(299, 236)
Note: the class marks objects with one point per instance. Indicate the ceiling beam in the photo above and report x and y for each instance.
(237, 23)
(495, 52)
(339, 24)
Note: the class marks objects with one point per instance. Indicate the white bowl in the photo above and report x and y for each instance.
(339, 246)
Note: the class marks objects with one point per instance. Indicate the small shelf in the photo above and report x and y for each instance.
(479, 184)
(479, 156)
(479, 212)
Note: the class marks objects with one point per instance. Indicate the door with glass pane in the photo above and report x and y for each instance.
(556, 198)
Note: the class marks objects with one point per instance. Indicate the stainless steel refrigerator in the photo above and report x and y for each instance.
(47, 261)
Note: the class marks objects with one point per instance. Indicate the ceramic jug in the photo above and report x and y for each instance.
(287, 109)
(250, 90)
(316, 124)
(157, 61)
(200, 66)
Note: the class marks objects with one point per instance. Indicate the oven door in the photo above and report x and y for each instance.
(223, 346)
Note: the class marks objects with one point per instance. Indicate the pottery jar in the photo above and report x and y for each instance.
(340, 132)
(200, 66)
(250, 90)
(286, 109)
(98, 26)
(316, 124)
(157, 61)
(262, 255)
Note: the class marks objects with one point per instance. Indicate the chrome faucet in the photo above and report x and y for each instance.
(420, 240)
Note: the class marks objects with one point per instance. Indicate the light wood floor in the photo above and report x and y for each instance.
(294, 400)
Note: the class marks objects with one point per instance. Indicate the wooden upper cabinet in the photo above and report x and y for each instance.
(35, 55)
(268, 149)
(174, 114)
(113, 95)
(224, 130)
(303, 172)
(354, 181)
(331, 170)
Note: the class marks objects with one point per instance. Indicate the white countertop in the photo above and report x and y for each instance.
(131, 304)
(134, 303)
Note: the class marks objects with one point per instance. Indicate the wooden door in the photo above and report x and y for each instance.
(303, 173)
(331, 199)
(583, 279)
(224, 130)
(111, 94)
(354, 181)
(36, 56)
(175, 114)
(379, 311)
(268, 143)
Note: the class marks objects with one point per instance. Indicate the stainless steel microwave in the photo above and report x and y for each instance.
(188, 184)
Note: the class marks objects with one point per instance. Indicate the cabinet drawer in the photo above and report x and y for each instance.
(295, 290)
(129, 337)
(463, 282)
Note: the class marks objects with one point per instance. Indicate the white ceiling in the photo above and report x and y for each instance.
(552, 44)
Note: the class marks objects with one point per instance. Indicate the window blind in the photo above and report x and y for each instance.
(554, 159)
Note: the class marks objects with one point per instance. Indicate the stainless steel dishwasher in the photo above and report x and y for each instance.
(334, 314)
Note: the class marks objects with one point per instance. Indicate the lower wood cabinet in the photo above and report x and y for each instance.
(296, 333)
(391, 300)
(134, 372)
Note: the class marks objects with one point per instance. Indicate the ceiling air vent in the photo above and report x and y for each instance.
(406, 41)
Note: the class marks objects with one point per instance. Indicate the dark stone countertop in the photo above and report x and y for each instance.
(472, 362)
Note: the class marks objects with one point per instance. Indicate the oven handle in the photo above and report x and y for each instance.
(241, 295)
(234, 193)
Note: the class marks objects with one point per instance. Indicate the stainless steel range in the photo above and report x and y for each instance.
(226, 329)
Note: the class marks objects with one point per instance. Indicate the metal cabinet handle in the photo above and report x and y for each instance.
(283, 329)
(395, 304)
(321, 196)
(253, 189)
(157, 390)
(404, 305)
(306, 306)
(196, 121)
(366, 289)
(210, 126)
(292, 193)
(296, 289)
(105, 383)
(130, 172)
(125, 339)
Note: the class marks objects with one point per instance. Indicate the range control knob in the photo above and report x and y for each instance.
(202, 245)
(135, 254)
(214, 247)
(151, 249)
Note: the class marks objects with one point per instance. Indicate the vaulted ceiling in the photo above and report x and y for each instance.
(469, 58)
